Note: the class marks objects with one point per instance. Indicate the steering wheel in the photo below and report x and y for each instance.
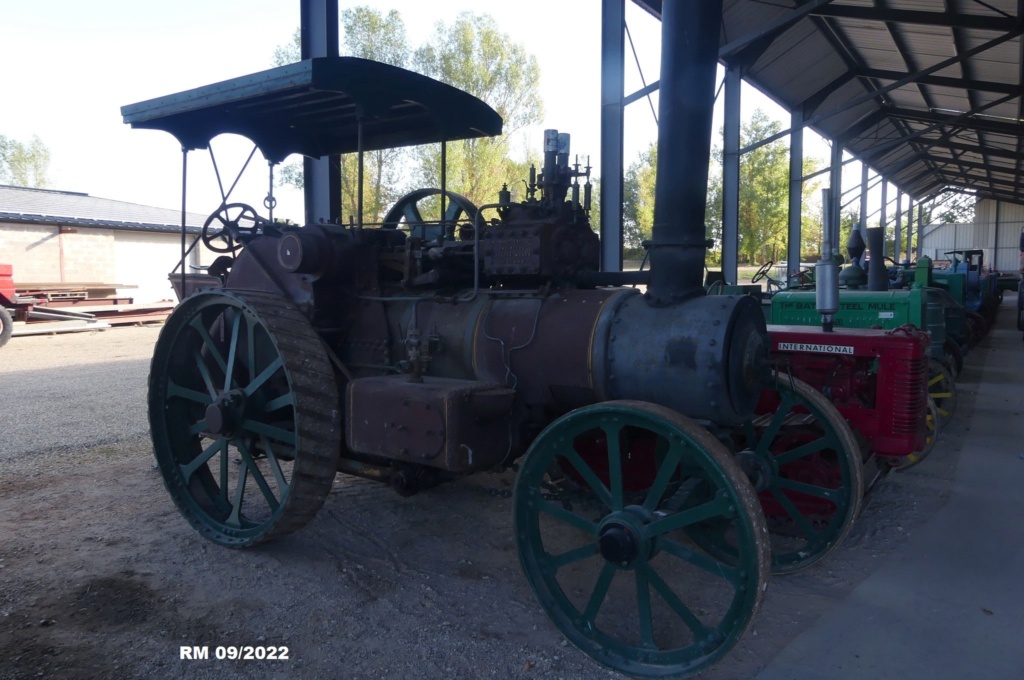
(408, 209)
(762, 272)
(230, 226)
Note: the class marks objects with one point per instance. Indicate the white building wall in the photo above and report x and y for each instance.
(981, 234)
(138, 260)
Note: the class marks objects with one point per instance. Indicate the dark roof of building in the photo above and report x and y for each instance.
(926, 92)
(68, 208)
(318, 107)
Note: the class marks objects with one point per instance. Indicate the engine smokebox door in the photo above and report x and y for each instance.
(456, 425)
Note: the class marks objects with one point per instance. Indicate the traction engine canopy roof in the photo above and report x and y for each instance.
(313, 107)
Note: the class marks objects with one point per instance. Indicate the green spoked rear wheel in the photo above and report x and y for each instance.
(804, 461)
(243, 410)
(601, 506)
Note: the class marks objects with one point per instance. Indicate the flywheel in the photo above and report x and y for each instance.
(243, 411)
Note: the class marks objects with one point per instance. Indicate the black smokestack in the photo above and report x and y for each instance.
(689, 57)
(878, 275)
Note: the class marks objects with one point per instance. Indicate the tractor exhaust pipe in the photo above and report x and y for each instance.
(689, 57)
(878, 275)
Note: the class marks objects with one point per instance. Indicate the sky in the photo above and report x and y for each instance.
(71, 65)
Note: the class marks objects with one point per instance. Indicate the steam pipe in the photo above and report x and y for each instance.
(689, 57)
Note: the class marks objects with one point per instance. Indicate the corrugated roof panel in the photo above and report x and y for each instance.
(783, 66)
(907, 97)
(988, 8)
(928, 44)
(873, 43)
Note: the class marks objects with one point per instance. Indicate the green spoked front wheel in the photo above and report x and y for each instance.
(243, 410)
(602, 503)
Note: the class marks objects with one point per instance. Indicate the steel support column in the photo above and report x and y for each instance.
(896, 245)
(322, 176)
(863, 221)
(883, 212)
(796, 192)
(909, 237)
(731, 176)
(920, 228)
(836, 185)
(613, 83)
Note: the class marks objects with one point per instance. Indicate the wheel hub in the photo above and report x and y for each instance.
(621, 538)
(226, 412)
(618, 545)
(758, 469)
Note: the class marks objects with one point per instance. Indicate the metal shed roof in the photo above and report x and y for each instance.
(926, 92)
(67, 208)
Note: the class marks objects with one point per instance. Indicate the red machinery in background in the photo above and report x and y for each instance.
(878, 381)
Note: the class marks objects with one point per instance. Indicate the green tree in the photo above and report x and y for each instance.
(474, 55)
(638, 201)
(763, 197)
(24, 164)
(370, 35)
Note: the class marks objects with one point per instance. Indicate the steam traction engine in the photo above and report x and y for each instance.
(419, 351)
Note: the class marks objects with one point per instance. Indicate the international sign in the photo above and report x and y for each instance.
(820, 349)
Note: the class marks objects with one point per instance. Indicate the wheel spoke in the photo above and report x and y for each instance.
(573, 556)
(197, 324)
(700, 631)
(940, 395)
(264, 375)
(232, 351)
(257, 475)
(204, 371)
(794, 513)
(209, 452)
(250, 351)
(176, 390)
(235, 519)
(613, 437)
(807, 489)
(604, 581)
(279, 402)
(568, 517)
(588, 476)
(805, 450)
(412, 215)
(708, 564)
(643, 602)
(275, 466)
(197, 428)
(280, 434)
(665, 474)
(719, 507)
(775, 425)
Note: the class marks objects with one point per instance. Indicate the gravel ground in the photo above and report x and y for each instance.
(101, 577)
(65, 392)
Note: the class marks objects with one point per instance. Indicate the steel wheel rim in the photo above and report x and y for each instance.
(942, 390)
(659, 555)
(825, 441)
(933, 427)
(246, 478)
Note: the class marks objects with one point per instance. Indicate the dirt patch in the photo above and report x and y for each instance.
(101, 577)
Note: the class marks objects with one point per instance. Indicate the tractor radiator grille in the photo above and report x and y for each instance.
(909, 392)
